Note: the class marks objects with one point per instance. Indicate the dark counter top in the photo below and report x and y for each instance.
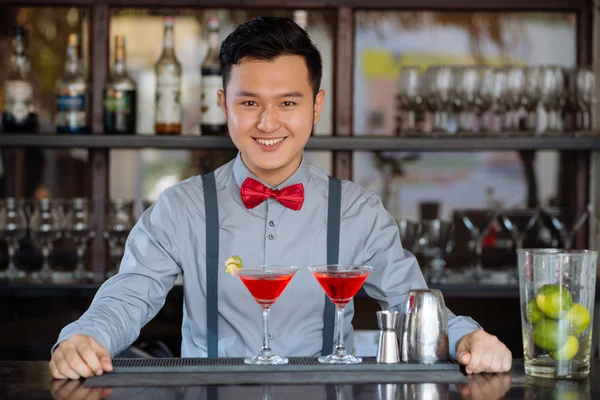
(31, 380)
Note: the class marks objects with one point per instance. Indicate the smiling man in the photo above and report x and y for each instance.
(269, 207)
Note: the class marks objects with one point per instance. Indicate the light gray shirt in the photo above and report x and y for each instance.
(169, 239)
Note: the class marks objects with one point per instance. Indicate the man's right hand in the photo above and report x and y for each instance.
(80, 356)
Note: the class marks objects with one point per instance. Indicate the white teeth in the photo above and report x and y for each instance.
(269, 142)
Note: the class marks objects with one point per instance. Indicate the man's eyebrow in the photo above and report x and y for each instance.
(245, 93)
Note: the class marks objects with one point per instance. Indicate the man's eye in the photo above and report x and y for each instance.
(288, 103)
(249, 103)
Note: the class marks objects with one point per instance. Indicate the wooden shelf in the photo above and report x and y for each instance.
(524, 5)
(339, 143)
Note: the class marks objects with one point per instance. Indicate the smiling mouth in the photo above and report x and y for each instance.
(269, 142)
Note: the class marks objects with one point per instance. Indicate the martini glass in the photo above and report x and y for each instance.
(567, 224)
(478, 222)
(518, 222)
(266, 283)
(340, 282)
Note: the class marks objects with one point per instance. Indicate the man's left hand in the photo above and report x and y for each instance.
(481, 352)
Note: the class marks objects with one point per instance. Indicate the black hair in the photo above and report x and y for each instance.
(267, 38)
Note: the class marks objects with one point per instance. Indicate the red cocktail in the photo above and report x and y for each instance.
(341, 286)
(340, 282)
(266, 283)
(266, 289)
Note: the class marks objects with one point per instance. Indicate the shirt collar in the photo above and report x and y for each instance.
(241, 172)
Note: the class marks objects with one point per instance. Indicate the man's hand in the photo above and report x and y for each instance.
(481, 352)
(80, 356)
(485, 387)
(74, 390)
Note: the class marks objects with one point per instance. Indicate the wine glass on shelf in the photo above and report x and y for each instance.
(567, 223)
(266, 283)
(518, 222)
(531, 97)
(433, 243)
(340, 283)
(13, 227)
(486, 96)
(409, 91)
(118, 225)
(466, 85)
(478, 222)
(408, 233)
(515, 86)
(585, 94)
(45, 228)
(79, 230)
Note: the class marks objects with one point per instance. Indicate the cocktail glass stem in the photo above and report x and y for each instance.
(266, 346)
(478, 257)
(340, 349)
(80, 272)
(12, 272)
(46, 272)
(410, 124)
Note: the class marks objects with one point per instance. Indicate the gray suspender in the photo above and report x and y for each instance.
(211, 211)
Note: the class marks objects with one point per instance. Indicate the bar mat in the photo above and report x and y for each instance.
(233, 371)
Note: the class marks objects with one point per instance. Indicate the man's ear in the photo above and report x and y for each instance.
(222, 102)
(319, 101)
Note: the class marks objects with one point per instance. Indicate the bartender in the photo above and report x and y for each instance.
(267, 206)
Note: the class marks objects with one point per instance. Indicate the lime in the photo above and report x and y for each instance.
(578, 318)
(554, 300)
(550, 334)
(533, 312)
(232, 264)
(568, 350)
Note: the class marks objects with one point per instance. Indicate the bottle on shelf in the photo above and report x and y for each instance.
(301, 18)
(19, 113)
(213, 120)
(72, 93)
(120, 96)
(168, 86)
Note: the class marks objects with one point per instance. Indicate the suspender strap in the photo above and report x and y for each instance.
(211, 215)
(333, 251)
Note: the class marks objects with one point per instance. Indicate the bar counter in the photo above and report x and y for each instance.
(31, 380)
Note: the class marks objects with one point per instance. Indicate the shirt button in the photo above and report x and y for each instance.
(271, 224)
(271, 336)
(271, 236)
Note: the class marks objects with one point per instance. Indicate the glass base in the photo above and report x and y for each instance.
(338, 359)
(545, 367)
(266, 360)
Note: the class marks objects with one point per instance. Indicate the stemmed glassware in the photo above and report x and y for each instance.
(530, 98)
(118, 225)
(341, 283)
(266, 283)
(409, 91)
(45, 228)
(466, 85)
(408, 233)
(515, 86)
(567, 224)
(518, 223)
(478, 222)
(586, 85)
(79, 229)
(439, 87)
(13, 227)
(434, 243)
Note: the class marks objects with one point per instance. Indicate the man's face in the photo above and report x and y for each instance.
(270, 114)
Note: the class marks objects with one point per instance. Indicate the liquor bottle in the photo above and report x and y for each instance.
(120, 96)
(19, 113)
(72, 93)
(213, 120)
(301, 18)
(168, 86)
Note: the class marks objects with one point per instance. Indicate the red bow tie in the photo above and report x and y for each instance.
(253, 193)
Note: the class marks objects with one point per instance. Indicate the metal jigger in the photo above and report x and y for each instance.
(387, 349)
